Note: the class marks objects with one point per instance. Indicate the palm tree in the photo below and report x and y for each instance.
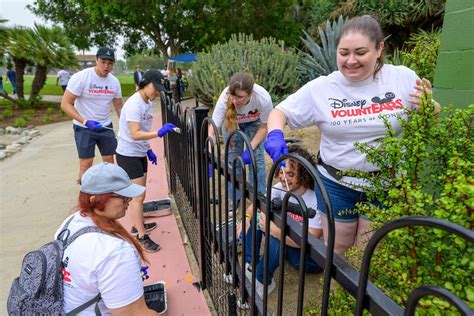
(50, 49)
(18, 47)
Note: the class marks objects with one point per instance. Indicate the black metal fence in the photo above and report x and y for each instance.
(211, 228)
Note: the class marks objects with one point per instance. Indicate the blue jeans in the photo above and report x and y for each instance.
(343, 200)
(236, 148)
(292, 256)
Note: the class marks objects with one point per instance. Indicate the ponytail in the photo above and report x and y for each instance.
(240, 81)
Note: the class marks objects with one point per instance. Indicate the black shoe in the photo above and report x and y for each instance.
(147, 244)
(148, 228)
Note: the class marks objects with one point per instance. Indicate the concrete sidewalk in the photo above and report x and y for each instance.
(38, 190)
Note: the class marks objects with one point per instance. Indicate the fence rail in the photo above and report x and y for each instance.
(197, 189)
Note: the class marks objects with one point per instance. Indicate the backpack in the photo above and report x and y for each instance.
(38, 290)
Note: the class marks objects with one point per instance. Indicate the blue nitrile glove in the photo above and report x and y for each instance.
(246, 157)
(275, 145)
(90, 124)
(167, 128)
(151, 156)
(210, 169)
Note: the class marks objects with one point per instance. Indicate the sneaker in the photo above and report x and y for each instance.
(259, 287)
(148, 228)
(248, 273)
(147, 244)
(242, 304)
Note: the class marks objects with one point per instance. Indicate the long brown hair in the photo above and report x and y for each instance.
(239, 81)
(112, 226)
(368, 26)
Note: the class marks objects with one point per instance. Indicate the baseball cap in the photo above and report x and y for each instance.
(109, 178)
(105, 53)
(155, 77)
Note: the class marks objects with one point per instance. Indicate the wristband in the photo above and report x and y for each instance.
(84, 122)
(248, 216)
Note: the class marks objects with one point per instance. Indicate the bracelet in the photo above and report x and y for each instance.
(84, 122)
(248, 216)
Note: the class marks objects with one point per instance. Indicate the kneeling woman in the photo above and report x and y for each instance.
(134, 132)
(105, 263)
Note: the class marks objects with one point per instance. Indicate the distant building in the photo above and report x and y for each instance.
(85, 61)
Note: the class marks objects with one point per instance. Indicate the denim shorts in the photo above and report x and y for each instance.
(342, 199)
(86, 140)
(135, 167)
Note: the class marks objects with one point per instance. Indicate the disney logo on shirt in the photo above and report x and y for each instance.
(251, 115)
(345, 103)
(97, 89)
(146, 117)
(379, 105)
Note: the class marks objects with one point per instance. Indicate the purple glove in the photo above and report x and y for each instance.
(151, 156)
(275, 145)
(246, 157)
(92, 124)
(167, 128)
(210, 170)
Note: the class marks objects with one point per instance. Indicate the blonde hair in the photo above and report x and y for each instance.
(240, 81)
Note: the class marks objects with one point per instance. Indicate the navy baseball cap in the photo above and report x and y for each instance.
(105, 53)
(155, 77)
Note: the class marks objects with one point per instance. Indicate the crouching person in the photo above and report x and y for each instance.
(298, 180)
(104, 263)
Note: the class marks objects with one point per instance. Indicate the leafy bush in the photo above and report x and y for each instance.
(46, 119)
(8, 112)
(50, 110)
(21, 122)
(319, 61)
(273, 67)
(423, 55)
(420, 177)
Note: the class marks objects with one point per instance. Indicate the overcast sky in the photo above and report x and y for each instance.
(16, 13)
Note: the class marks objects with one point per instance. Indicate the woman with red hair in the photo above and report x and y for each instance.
(105, 265)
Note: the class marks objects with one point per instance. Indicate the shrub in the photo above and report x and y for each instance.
(8, 112)
(21, 122)
(423, 54)
(273, 67)
(46, 119)
(319, 61)
(421, 177)
(50, 110)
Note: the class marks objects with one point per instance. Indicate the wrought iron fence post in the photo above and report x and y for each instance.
(200, 114)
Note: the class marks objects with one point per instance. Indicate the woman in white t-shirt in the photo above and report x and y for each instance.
(244, 105)
(107, 263)
(348, 106)
(132, 149)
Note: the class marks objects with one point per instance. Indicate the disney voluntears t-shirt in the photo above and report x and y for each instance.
(347, 112)
(258, 108)
(309, 197)
(95, 263)
(137, 110)
(95, 95)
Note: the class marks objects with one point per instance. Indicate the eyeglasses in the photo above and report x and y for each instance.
(124, 198)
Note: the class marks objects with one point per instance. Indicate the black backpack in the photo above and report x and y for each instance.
(38, 290)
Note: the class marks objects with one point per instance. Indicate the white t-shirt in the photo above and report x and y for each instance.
(309, 197)
(95, 95)
(63, 76)
(347, 112)
(95, 263)
(259, 107)
(137, 110)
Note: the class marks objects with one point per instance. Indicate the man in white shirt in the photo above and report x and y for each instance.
(87, 101)
(63, 77)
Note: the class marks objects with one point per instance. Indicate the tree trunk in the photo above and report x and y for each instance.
(20, 65)
(38, 81)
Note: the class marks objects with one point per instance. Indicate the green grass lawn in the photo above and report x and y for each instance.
(50, 88)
